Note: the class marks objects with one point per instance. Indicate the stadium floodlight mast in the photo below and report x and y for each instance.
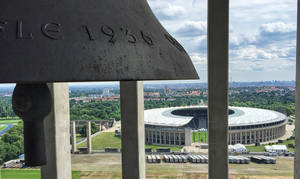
(79, 41)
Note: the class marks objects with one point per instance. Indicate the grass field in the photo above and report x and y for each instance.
(9, 121)
(2, 127)
(111, 163)
(104, 140)
(20, 174)
(108, 166)
(28, 174)
(154, 147)
(78, 137)
(200, 137)
(261, 148)
(108, 139)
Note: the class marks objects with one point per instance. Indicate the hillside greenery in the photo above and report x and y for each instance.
(284, 103)
(11, 143)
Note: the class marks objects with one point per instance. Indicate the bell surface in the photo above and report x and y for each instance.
(87, 40)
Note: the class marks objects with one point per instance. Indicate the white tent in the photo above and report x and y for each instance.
(230, 148)
(239, 148)
(279, 148)
(268, 148)
(276, 148)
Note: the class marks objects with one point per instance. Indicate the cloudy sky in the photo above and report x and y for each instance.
(262, 36)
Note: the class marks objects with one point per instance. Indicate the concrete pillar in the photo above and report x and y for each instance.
(241, 137)
(89, 137)
(153, 136)
(187, 136)
(155, 132)
(174, 135)
(57, 135)
(250, 137)
(160, 137)
(100, 128)
(132, 121)
(169, 137)
(73, 130)
(266, 134)
(179, 138)
(217, 44)
(148, 135)
(165, 142)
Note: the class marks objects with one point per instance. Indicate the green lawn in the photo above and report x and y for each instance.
(200, 137)
(2, 127)
(20, 174)
(9, 121)
(108, 139)
(262, 149)
(104, 140)
(154, 147)
(27, 174)
(78, 137)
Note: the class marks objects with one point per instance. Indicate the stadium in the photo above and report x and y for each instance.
(174, 126)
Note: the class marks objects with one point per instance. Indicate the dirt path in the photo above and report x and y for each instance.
(107, 175)
(109, 164)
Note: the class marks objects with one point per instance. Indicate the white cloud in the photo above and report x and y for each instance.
(262, 34)
(278, 27)
(173, 10)
(192, 28)
(198, 59)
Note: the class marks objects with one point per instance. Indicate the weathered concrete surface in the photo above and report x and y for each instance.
(297, 108)
(218, 27)
(132, 128)
(57, 133)
(89, 137)
(188, 136)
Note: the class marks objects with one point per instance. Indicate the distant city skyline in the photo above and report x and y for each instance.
(231, 83)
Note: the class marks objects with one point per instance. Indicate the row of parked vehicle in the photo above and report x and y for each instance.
(175, 159)
(198, 159)
(204, 159)
(153, 159)
(263, 159)
(238, 160)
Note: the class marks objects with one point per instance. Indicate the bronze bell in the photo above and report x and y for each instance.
(84, 40)
(87, 40)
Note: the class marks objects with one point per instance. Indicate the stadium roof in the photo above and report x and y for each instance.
(242, 116)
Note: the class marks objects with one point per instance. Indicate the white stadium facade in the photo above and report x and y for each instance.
(174, 126)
